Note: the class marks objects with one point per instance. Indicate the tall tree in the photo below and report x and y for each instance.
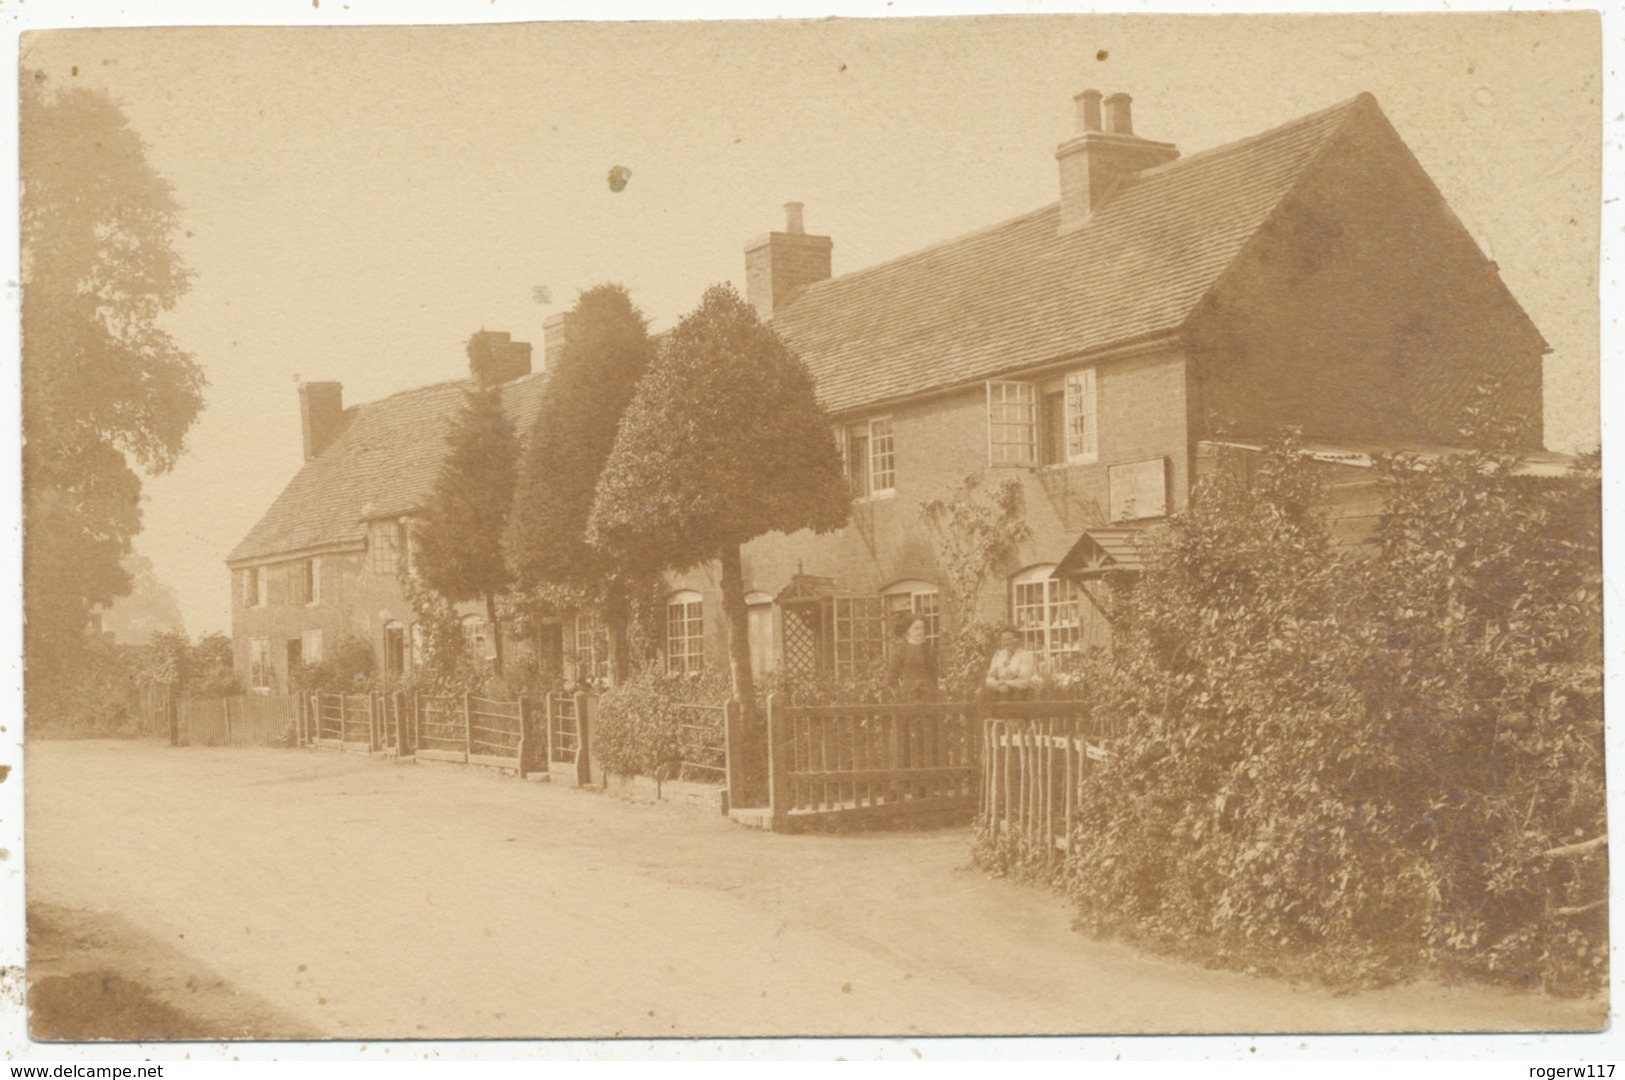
(459, 541)
(725, 441)
(606, 352)
(102, 383)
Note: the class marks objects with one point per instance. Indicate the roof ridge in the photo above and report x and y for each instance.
(921, 252)
(1347, 104)
(1207, 154)
(424, 388)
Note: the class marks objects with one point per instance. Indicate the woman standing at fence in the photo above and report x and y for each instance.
(913, 667)
(1012, 675)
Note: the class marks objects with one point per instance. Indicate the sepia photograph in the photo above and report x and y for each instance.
(907, 527)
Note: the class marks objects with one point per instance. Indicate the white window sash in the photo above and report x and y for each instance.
(1012, 424)
(1082, 417)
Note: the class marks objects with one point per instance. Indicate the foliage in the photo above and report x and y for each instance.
(1355, 768)
(346, 667)
(606, 352)
(200, 669)
(459, 553)
(101, 698)
(101, 382)
(442, 663)
(723, 442)
(637, 727)
(973, 530)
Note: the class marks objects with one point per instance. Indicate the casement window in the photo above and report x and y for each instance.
(305, 576)
(383, 546)
(871, 459)
(685, 634)
(1045, 611)
(310, 646)
(916, 598)
(592, 648)
(859, 635)
(1043, 423)
(474, 636)
(394, 649)
(259, 664)
(253, 587)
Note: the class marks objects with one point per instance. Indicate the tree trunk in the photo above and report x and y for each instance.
(733, 609)
(496, 633)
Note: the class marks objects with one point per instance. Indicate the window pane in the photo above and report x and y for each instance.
(882, 462)
(1081, 435)
(857, 449)
(1012, 417)
(685, 636)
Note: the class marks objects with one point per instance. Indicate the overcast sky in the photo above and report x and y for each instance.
(357, 201)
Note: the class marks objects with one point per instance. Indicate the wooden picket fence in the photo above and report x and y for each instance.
(1034, 757)
(875, 762)
(241, 720)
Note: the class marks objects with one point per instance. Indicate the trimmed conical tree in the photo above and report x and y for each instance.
(724, 442)
(459, 540)
(606, 351)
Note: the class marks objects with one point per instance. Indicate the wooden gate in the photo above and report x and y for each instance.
(1034, 757)
(879, 763)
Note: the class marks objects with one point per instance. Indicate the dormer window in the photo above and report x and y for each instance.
(1053, 422)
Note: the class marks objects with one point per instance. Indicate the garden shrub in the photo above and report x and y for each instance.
(1357, 769)
(346, 667)
(637, 726)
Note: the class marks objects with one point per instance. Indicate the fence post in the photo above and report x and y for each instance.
(734, 751)
(417, 720)
(547, 719)
(779, 734)
(468, 729)
(583, 742)
(225, 715)
(524, 734)
(172, 714)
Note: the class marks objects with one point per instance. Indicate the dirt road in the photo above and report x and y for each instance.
(361, 899)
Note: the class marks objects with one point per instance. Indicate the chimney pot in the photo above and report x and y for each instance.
(792, 219)
(1088, 104)
(1119, 121)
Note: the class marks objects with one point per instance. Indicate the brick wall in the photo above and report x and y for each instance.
(1142, 409)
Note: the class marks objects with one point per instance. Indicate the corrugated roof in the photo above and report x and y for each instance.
(383, 464)
(1021, 293)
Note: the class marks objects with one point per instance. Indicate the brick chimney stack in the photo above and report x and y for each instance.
(1095, 160)
(321, 415)
(781, 264)
(510, 359)
(555, 334)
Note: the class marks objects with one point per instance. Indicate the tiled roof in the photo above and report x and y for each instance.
(1020, 293)
(382, 464)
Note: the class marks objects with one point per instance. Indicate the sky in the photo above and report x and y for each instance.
(358, 200)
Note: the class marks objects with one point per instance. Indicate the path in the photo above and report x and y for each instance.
(367, 900)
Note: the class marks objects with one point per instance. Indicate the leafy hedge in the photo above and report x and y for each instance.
(1358, 769)
(638, 725)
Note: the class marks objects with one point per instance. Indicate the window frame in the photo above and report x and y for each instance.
(252, 593)
(375, 549)
(591, 650)
(876, 465)
(685, 612)
(259, 665)
(479, 637)
(1053, 635)
(306, 582)
(307, 638)
(1018, 434)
